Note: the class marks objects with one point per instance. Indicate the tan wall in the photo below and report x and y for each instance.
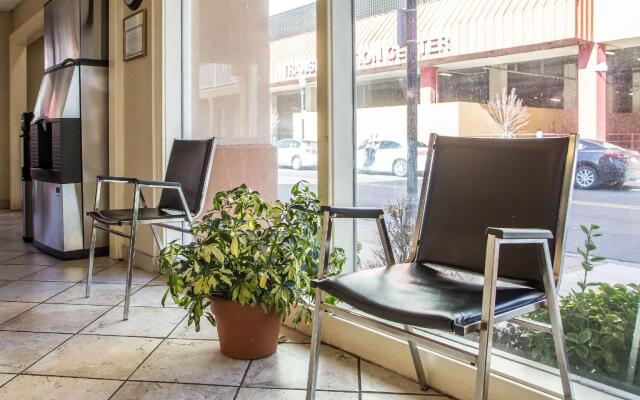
(138, 158)
(6, 27)
(35, 67)
(25, 27)
(35, 64)
(25, 10)
(135, 137)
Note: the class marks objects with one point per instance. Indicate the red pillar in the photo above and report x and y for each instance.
(428, 85)
(592, 91)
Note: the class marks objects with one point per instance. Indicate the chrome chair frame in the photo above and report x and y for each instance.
(496, 238)
(138, 199)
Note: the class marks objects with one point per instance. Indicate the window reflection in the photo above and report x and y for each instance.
(249, 80)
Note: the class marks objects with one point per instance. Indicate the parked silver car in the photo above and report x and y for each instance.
(297, 154)
(387, 156)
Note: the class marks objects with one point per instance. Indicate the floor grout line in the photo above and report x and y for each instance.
(246, 371)
(165, 338)
(36, 304)
(13, 258)
(359, 371)
(15, 316)
(136, 368)
(63, 342)
(176, 327)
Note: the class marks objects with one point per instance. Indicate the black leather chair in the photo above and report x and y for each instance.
(489, 207)
(183, 195)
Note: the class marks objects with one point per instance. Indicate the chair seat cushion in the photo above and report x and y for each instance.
(125, 216)
(420, 295)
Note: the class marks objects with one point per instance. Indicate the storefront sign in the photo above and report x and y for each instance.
(307, 68)
(446, 29)
(392, 55)
(374, 57)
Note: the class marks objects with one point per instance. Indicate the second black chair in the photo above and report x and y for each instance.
(183, 194)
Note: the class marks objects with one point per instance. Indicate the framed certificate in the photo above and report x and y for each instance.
(135, 35)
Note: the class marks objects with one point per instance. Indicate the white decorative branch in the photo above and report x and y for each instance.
(509, 113)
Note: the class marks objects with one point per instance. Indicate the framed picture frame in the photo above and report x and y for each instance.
(134, 33)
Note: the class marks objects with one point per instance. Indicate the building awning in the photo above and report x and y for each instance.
(447, 30)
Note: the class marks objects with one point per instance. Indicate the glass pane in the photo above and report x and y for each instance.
(598, 296)
(464, 67)
(249, 80)
(389, 160)
(292, 27)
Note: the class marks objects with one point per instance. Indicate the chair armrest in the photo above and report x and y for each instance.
(161, 184)
(116, 179)
(520, 233)
(353, 212)
(170, 185)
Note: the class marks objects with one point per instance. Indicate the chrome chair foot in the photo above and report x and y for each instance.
(132, 253)
(92, 252)
(314, 351)
(417, 362)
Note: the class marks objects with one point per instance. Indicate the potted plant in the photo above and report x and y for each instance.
(252, 261)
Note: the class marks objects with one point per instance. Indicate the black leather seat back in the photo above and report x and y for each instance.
(190, 165)
(478, 183)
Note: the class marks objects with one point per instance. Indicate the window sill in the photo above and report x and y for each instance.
(510, 379)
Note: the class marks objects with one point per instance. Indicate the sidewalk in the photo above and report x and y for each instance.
(609, 271)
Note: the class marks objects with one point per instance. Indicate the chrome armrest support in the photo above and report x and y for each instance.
(109, 179)
(160, 184)
(169, 185)
(520, 233)
(497, 237)
(353, 212)
(116, 179)
(330, 213)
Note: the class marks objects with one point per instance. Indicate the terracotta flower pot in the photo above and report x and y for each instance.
(245, 332)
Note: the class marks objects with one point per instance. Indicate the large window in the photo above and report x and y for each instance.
(249, 80)
(445, 86)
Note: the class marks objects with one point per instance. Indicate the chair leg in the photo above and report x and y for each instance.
(132, 249)
(132, 252)
(483, 372)
(92, 252)
(417, 362)
(556, 324)
(156, 236)
(314, 353)
(561, 353)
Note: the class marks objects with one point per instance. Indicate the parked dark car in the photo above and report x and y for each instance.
(602, 164)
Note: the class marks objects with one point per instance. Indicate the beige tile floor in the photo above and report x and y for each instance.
(56, 344)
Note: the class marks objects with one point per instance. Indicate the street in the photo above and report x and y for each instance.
(616, 211)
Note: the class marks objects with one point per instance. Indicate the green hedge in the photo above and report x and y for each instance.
(599, 326)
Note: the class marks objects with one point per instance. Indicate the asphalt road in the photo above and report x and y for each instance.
(617, 212)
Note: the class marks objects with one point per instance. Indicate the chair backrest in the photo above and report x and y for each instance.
(475, 183)
(190, 165)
